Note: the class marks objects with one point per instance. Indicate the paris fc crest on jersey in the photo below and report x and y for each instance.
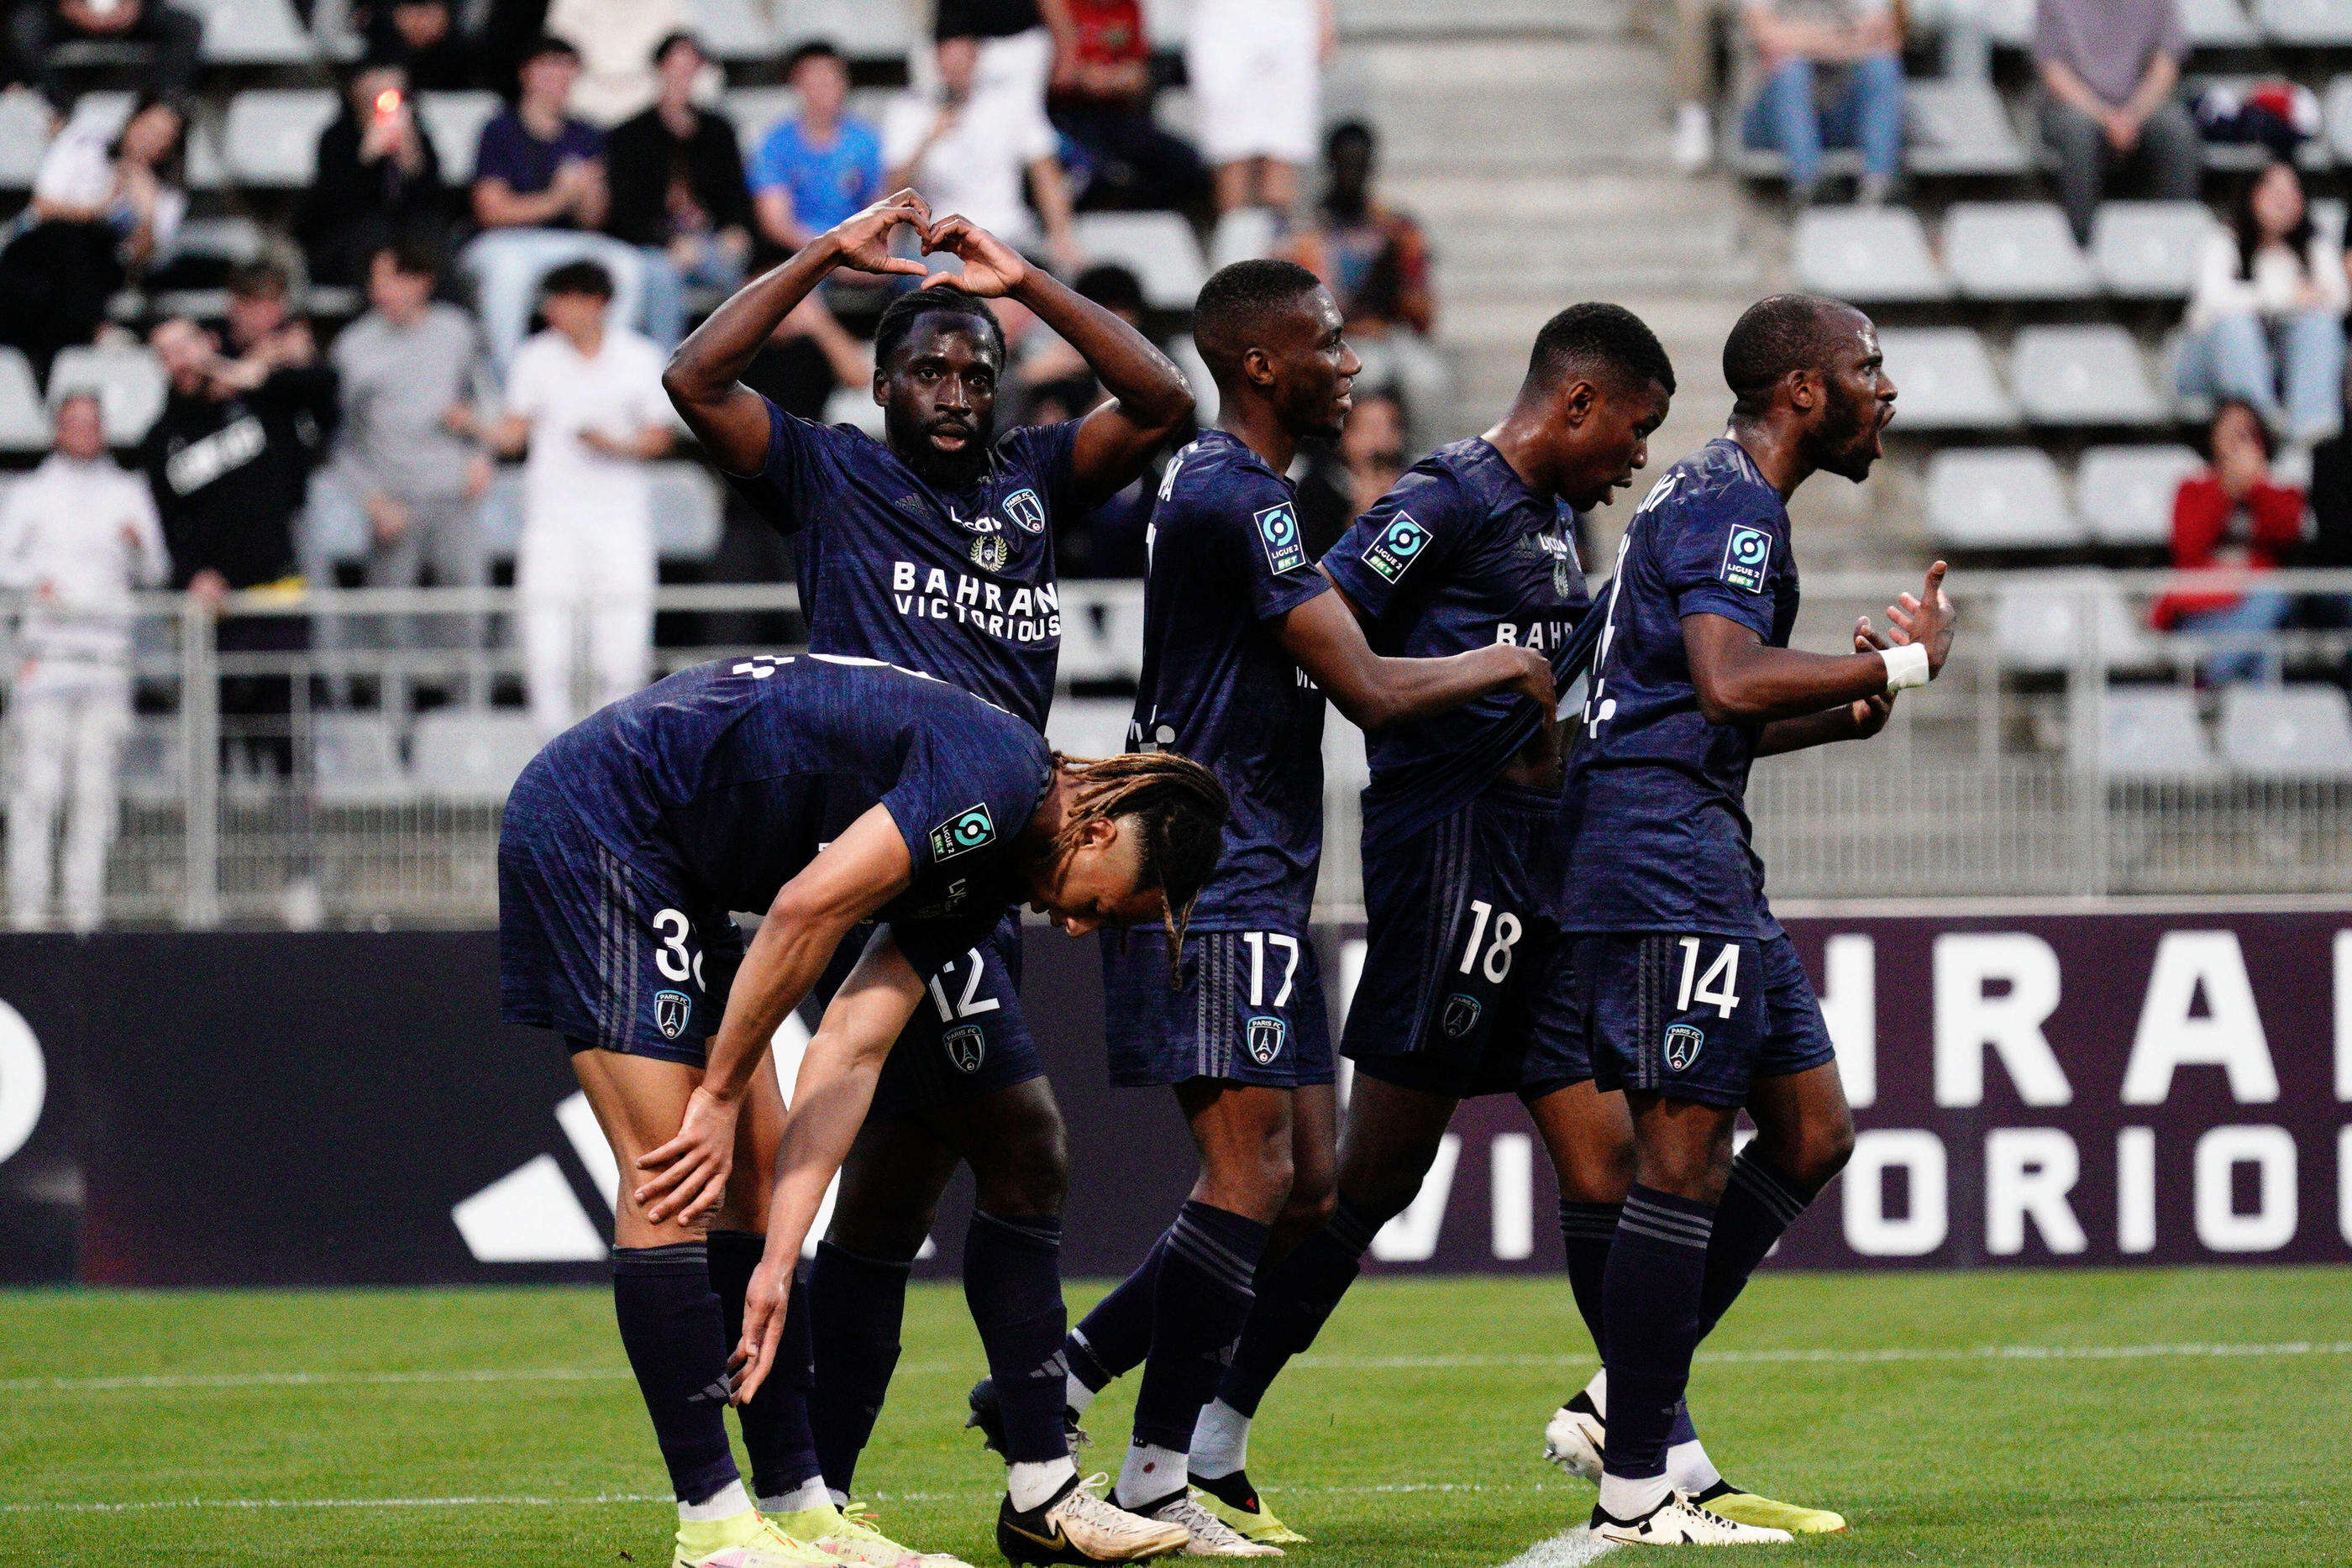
(1027, 512)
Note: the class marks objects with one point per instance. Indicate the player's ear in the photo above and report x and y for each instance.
(1803, 391)
(1258, 367)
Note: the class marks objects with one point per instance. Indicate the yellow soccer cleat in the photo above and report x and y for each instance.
(1235, 1503)
(852, 1534)
(745, 1540)
(1747, 1508)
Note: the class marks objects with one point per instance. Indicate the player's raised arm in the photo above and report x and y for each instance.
(1740, 679)
(1324, 636)
(705, 375)
(1148, 398)
(856, 876)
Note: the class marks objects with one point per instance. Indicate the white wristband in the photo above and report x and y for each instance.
(1906, 666)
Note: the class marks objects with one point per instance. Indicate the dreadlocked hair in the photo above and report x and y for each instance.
(1179, 809)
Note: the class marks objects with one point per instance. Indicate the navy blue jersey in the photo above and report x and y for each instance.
(730, 777)
(957, 585)
(1227, 563)
(1657, 795)
(1461, 554)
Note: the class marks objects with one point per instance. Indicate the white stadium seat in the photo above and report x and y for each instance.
(2009, 22)
(1102, 628)
(1958, 126)
(2316, 22)
(2294, 730)
(1945, 380)
(754, 110)
(2015, 250)
(273, 134)
(1868, 254)
(1167, 23)
(2038, 620)
(471, 758)
(2153, 733)
(1089, 726)
(254, 33)
(686, 511)
(355, 758)
(454, 121)
(1243, 234)
(732, 29)
(24, 137)
(862, 29)
(2148, 250)
(23, 419)
(2082, 375)
(231, 239)
(1999, 498)
(129, 385)
(2217, 25)
(1157, 247)
(855, 406)
(2125, 493)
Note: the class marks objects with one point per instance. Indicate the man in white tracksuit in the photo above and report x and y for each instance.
(78, 535)
(586, 398)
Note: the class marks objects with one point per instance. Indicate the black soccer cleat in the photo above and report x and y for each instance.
(988, 1415)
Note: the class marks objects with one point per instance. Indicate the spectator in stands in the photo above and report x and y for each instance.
(79, 535)
(678, 194)
(405, 454)
(423, 37)
(811, 357)
(229, 462)
(2266, 322)
(2230, 520)
(105, 206)
(1791, 46)
(1692, 52)
(42, 25)
(2109, 71)
(508, 31)
(540, 194)
(1375, 263)
(817, 169)
(1255, 71)
(966, 152)
(1024, 45)
(616, 39)
(586, 398)
(1101, 103)
(1052, 383)
(1343, 482)
(378, 179)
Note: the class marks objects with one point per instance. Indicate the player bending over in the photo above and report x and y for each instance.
(828, 792)
(1243, 637)
(1687, 994)
(932, 548)
(1471, 550)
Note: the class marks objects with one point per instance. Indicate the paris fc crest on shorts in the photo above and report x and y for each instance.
(1264, 1039)
(671, 1011)
(965, 1045)
(1461, 1015)
(969, 829)
(1683, 1045)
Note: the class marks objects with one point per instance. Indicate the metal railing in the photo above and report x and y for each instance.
(335, 804)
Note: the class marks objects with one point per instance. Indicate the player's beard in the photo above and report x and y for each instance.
(911, 439)
(1845, 440)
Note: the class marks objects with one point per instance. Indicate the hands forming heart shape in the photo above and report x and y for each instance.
(991, 267)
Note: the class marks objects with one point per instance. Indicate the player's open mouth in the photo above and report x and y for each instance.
(951, 435)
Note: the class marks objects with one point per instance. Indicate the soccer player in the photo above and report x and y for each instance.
(828, 792)
(933, 549)
(1685, 993)
(1243, 638)
(1470, 550)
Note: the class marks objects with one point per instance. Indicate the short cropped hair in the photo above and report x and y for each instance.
(579, 277)
(671, 41)
(259, 280)
(1600, 337)
(898, 322)
(1110, 286)
(814, 49)
(548, 44)
(1775, 336)
(413, 255)
(1236, 299)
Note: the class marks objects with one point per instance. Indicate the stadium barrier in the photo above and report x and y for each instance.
(2034, 1084)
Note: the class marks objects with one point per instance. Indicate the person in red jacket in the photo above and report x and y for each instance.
(2233, 519)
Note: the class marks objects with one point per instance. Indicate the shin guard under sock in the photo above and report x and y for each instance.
(1650, 1302)
(776, 1423)
(1295, 1295)
(675, 1336)
(1759, 1206)
(857, 1307)
(1207, 1261)
(1013, 1283)
(1586, 1230)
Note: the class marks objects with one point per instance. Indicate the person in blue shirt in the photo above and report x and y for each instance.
(934, 549)
(1243, 640)
(1685, 993)
(828, 792)
(818, 168)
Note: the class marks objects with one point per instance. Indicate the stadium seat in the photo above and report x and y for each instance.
(1102, 630)
(2307, 22)
(454, 121)
(754, 110)
(1868, 254)
(254, 33)
(1945, 380)
(1243, 234)
(1089, 726)
(273, 135)
(1157, 247)
(2015, 250)
(471, 758)
(2082, 375)
(2148, 250)
(230, 239)
(1956, 126)
(1174, 111)
(2038, 617)
(861, 29)
(686, 511)
(1187, 355)
(1166, 23)
(24, 418)
(2297, 730)
(129, 385)
(2125, 493)
(2008, 21)
(732, 29)
(855, 406)
(2217, 25)
(355, 760)
(24, 137)
(1999, 498)
(2153, 733)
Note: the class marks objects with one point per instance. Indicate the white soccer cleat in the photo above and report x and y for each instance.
(1211, 1536)
(1573, 1437)
(1078, 1525)
(1679, 1522)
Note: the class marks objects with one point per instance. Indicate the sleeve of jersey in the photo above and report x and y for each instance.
(965, 792)
(1047, 453)
(1401, 542)
(783, 487)
(1719, 562)
(1259, 533)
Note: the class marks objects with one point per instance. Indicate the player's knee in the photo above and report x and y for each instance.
(1824, 1151)
(1313, 1196)
(1029, 1175)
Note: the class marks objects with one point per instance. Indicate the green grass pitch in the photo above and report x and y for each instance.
(497, 1427)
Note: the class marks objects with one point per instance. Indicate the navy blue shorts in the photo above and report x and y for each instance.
(1250, 1009)
(610, 954)
(1694, 1017)
(1464, 953)
(968, 1037)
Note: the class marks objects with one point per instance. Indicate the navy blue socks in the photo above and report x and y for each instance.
(1657, 1265)
(1295, 1295)
(857, 1307)
(1113, 1339)
(1013, 1281)
(1199, 1301)
(676, 1335)
(776, 1423)
(1586, 1230)
(1759, 1206)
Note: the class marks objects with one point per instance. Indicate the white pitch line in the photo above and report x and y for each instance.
(1569, 1549)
